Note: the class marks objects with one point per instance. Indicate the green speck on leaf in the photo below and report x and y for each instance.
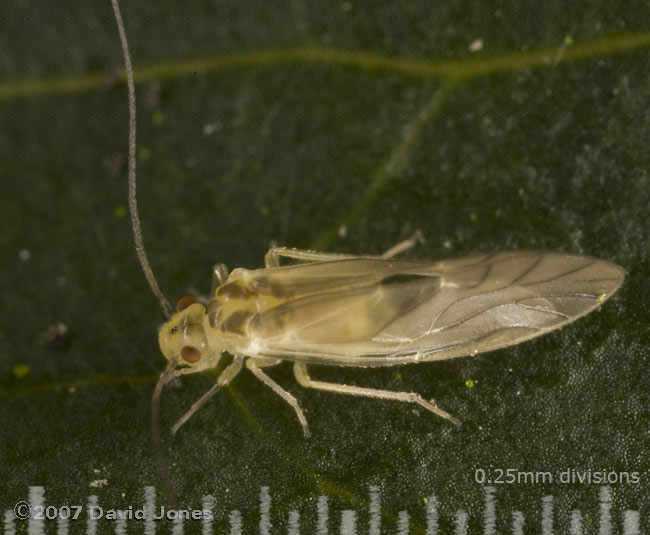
(120, 211)
(470, 383)
(158, 118)
(144, 154)
(20, 370)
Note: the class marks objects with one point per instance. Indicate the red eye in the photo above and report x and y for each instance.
(190, 354)
(184, 302)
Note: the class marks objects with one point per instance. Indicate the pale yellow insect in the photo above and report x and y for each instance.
(348, 310)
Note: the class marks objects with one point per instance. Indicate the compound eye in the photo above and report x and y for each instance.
(184, 302)
(190, 354)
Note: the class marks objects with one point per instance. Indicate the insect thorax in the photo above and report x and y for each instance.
(235, 311)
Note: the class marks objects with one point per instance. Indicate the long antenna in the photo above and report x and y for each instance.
(161, 460)
(133, 203)
(167, 374)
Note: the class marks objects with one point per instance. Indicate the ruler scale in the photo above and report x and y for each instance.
(149, 519)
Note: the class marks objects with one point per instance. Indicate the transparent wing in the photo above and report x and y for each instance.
(376, 312)
(317, 278)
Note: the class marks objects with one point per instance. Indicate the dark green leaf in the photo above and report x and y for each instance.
(341, 126)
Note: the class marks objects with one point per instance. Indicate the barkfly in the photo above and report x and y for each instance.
(345, 310)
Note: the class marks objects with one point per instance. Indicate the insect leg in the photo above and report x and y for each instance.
(227, 375)
(286, 396)
(418, 237)
(302, 376)
(273, 255)
(219, 276)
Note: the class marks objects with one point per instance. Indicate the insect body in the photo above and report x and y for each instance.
(377, 311)
(363, 310)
